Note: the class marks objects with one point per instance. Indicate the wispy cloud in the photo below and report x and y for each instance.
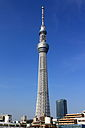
(80, 57)
(66, 9)
(67, 5)
(75, 63)
(76, 2)
(4, 86)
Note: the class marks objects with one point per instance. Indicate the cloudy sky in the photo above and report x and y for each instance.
(20, 22)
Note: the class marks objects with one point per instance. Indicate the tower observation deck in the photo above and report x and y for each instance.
(42, 104)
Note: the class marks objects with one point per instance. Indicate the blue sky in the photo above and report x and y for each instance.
(20, 22)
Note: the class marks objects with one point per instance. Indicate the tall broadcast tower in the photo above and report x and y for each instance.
(42, 105)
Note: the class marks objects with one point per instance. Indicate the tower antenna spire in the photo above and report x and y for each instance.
(42, 16)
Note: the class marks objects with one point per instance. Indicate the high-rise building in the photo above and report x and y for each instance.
(42, 104)
(61, 108)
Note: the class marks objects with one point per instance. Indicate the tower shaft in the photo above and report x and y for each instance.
(42, 105)
(42, 108)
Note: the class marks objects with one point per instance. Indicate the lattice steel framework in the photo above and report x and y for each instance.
(42, 105)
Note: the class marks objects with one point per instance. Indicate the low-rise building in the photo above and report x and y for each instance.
(75, 118)
(81, 120)
(6, 118)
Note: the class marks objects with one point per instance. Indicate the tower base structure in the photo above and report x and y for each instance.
(44, 122)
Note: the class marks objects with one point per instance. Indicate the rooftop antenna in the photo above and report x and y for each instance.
(42, 16)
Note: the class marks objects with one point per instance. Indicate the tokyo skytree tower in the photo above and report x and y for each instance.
(42, 104)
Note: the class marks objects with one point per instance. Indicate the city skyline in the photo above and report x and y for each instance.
(19, 26)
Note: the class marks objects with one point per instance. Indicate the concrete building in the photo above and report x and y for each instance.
(6, 118)
(61, 108)
(23, 119)
(81, 120)
(69, 119)
(42, 104)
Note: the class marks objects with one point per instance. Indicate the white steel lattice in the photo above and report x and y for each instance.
(42, 106)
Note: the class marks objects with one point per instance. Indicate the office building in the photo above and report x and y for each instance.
(61, 108)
